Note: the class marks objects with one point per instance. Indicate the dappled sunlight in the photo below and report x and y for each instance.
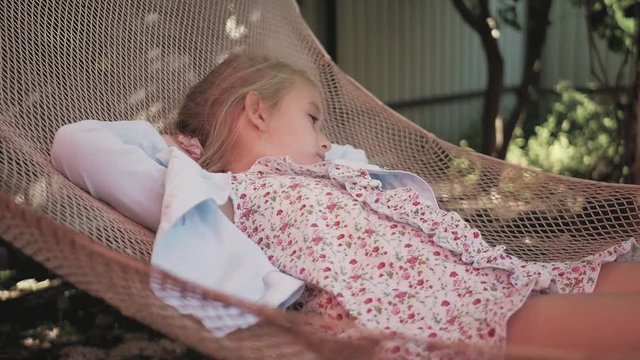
(151, 18)
(495, 33)
(137, 96)
(42, 337)
(38, 192)
(27, 286)
(150, 112)
(234, 29)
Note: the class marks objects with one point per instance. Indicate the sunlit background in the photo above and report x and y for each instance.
(425, 61)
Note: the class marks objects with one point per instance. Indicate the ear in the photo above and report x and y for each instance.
(256, 110)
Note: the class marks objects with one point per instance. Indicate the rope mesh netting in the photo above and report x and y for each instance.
(61, 62)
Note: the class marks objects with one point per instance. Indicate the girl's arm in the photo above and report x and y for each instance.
(116, 163)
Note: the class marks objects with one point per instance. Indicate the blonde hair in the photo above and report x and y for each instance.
(212, 106)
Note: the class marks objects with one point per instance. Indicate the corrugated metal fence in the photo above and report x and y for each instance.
(421, 49)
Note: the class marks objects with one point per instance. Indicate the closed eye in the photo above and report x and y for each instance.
(313, 118)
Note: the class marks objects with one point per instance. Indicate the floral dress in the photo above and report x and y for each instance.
(389, 260)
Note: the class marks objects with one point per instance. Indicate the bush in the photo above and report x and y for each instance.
(580, 138)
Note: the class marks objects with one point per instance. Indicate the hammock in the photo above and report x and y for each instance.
(61, 62)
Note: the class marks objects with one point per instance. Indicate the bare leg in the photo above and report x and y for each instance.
(619, 278)
(582, 323)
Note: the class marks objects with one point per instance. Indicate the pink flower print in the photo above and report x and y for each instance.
(283, 227)
(367, 260)
(395, 349)
(246, 214)
(329, 301)
(266, 194)
(340, 237)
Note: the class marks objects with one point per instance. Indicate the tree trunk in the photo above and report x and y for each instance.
(491, 105)
(537, 24)
(481, 23)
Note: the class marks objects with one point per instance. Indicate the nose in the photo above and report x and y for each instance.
(325, 144)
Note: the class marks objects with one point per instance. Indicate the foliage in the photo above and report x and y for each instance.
(579, 138)
(613, 21)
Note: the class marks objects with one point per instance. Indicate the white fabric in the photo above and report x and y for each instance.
(346, 152)
(128, 165)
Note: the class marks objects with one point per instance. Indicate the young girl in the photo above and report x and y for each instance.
(386, 259)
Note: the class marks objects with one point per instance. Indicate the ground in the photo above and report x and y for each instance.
(44, 317)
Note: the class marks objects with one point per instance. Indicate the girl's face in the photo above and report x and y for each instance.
(293, 126)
